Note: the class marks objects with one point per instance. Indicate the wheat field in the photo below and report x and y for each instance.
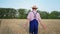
(15, 26)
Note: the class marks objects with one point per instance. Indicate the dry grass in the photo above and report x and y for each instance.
(15, 26)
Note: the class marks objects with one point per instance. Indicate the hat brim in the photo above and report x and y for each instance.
(34, 8)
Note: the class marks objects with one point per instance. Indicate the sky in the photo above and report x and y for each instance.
(43, 5)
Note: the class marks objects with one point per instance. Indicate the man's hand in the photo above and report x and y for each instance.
(44, 26)
(25, 25)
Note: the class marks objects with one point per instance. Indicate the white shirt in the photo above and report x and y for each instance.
(31, 15)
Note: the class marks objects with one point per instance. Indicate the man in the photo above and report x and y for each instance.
(33, 18)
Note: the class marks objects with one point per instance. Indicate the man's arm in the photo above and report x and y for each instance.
(43, 25)
(27, 21)
(39, 19)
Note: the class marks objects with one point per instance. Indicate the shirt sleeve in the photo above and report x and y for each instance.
(28, 17)
(39, 16)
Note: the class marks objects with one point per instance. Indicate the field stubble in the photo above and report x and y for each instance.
(15, 26)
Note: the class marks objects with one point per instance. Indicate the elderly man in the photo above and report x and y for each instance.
(33, 19)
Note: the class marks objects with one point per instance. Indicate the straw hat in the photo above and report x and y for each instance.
(34, 6)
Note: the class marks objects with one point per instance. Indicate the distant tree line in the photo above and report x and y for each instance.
(11, 13)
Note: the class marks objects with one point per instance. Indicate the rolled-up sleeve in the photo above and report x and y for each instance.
(28, 17)
(39, 16)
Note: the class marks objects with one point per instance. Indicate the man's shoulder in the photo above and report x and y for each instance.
(38, 13)
(30, 12)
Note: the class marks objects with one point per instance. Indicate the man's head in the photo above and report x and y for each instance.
(34, 7)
